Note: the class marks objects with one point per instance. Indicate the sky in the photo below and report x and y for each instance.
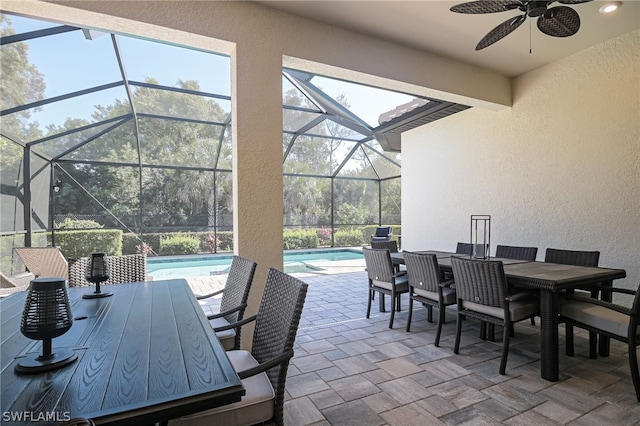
(93, 62)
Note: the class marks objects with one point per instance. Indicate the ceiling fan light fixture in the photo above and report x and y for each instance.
(536, 8)
(610, 7)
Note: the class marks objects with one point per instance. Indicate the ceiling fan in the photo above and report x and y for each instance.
(558, 21)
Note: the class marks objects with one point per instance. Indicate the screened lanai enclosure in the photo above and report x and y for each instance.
(109, 131)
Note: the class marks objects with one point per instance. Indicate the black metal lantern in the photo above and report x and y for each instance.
(46, 315)
(480, 236)
(98, 271)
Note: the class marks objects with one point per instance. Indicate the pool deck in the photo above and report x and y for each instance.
(205, 285)
(349, 370)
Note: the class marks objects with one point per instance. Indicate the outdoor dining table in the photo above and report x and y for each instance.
(549, 279)
(145, 355)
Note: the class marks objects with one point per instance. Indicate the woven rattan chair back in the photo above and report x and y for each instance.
(128, 268)
(44, 261)
(379, 264)
(480, 281)
(276, 327)
(391, 245)
(236, 290)
(572, 257)
(517, 252)
(423, 271)
(466, 248)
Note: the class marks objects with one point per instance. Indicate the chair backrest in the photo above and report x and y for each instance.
(572, 257)
(480, 281)
(14, 283)
(44, 261)
(423, 271)
(236, 290)
(466, 248)
(128, 268)
(391, 245)
(383, 231)
(276, 327)
(379, 264)
(517, 252)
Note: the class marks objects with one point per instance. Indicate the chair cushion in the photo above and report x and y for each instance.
(226, 337)
(518, 309)
(256, 406)
(402, 285)
(597, 316)
(448, 295)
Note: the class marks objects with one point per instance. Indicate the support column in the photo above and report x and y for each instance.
(256, 86)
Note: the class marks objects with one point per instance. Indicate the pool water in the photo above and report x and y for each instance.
(168, 267)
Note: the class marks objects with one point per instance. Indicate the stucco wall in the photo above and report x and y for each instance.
(561, 168)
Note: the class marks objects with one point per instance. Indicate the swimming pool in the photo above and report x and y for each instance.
(168, 267)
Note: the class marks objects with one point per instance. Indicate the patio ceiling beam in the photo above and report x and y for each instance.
(136, 125)
(316, 135)
(144, 166)
(15, 38)
(92, 138)
(79, 129)
(178, 90)
(227, 123)
(187, 120)
(60, 98)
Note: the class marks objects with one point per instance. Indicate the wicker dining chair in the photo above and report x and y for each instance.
(128, 268)
(426, 286)
(384, 279)
(14, 283)
(517, 252)
(44, 261)
(483, 294)
(392, 246)
(465, 248)
(263, 370)
(233, 302)
(577, 258)
(615, 321)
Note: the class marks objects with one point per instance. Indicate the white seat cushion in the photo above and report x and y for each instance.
(597, 316)
(448, 295)
(401, 284)
(518, 309)
(256, 406)
(226, 337)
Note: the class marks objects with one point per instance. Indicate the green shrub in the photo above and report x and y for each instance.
(132, 244)
(348, 238)
(69, 223)
(74, 244)
(300, 239)
(226, 240)
(179, 244)
(324, 236)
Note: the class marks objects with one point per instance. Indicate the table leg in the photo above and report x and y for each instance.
(603, 341)
(381, 303)
(549, 335)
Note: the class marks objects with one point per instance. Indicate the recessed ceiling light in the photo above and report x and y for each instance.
(610, 7)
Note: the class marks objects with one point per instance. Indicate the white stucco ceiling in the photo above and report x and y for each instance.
(430, 26)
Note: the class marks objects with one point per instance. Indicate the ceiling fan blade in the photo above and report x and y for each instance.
(560, 21)
(501, 31)
(486, 6)
(573, 1)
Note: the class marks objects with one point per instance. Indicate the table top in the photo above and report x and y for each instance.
(145, 354)
(539, 275)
